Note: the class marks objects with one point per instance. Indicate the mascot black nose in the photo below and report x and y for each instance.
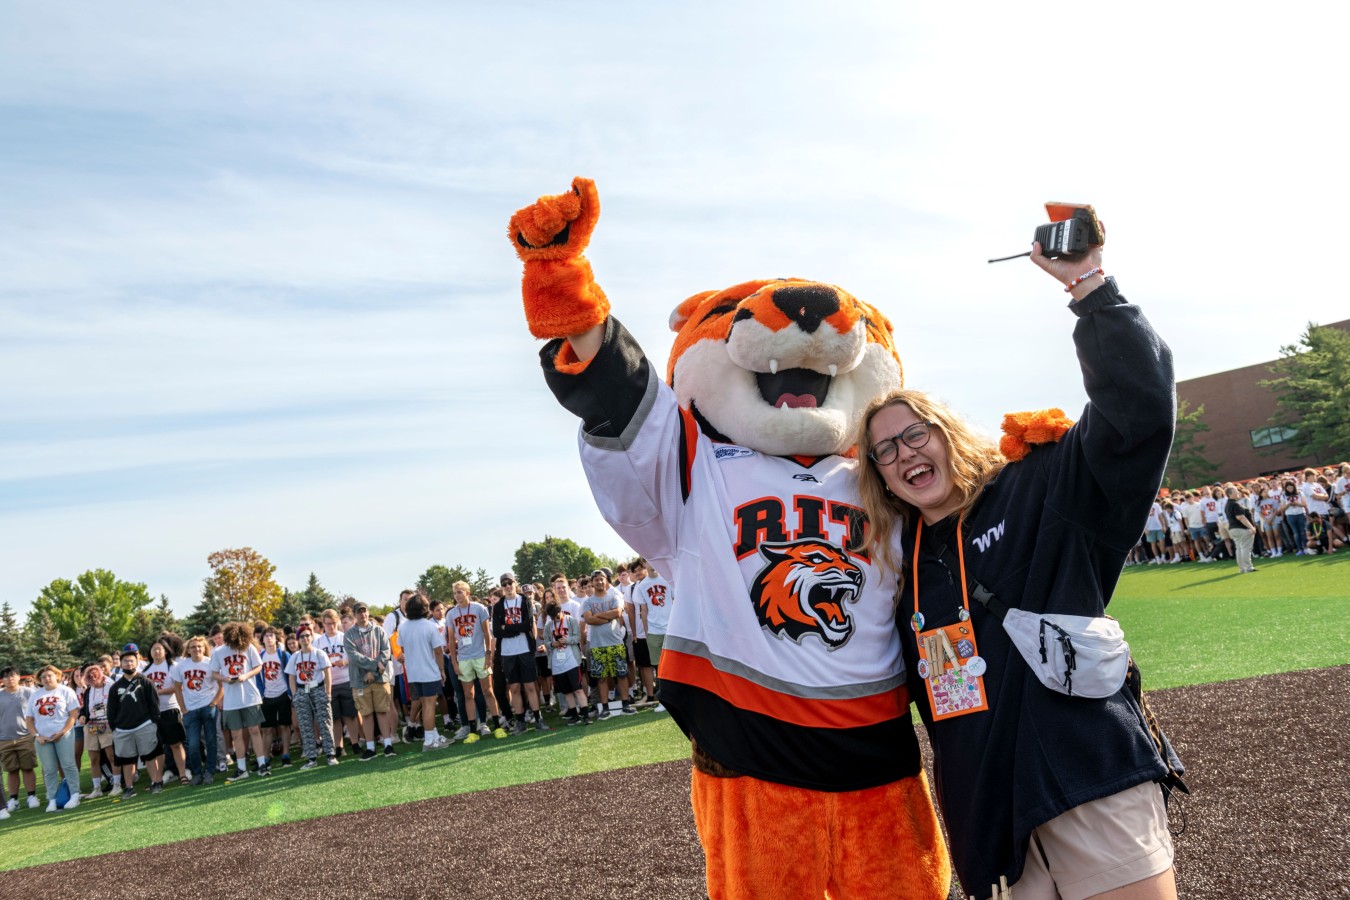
(807, 305)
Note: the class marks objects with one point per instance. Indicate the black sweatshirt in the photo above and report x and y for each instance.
(132, 702)
(1050, 534)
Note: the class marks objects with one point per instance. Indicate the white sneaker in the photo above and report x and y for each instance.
(4, 812)
(32, 801)
(12, 805)
(169, 778)
(461, 734)
(96, 792)
(73, 802)
(51, 806)
(660, 707)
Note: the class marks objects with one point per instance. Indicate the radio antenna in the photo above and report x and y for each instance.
(1014, 256)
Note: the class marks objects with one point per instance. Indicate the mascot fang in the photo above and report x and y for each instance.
(734, 477)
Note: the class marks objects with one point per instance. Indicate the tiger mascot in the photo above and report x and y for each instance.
(781, 660)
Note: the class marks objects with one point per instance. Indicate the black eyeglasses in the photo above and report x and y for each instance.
(884, 451)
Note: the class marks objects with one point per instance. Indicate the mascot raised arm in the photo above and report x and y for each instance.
(734, 477)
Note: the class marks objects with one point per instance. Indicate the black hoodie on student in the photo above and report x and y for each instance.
(132, 702)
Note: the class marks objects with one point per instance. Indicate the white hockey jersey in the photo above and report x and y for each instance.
(781, 658)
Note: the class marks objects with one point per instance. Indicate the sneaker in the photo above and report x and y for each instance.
(156, 787)
(169, 777)
(627, 710)
(461, 734)
(604, 712)
(575, 719)
(286, 762)
(368, 754)
(471, 739)
(197, 780)
(389, 750)
(483, 730)
(518, 726)
(4, 812)
(12, 805)
(338, 752)
(237, 776)
(51, 806)
(96, 792)
(32, 801)
(499, 733)
(660, 707)
(309, 764)
(540, 726)
(265, 771)
(223, 767)
(128, 793)
(332, 760)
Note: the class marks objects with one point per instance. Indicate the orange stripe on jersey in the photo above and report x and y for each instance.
(809, 713)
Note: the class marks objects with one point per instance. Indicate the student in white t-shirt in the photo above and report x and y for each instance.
(309, 693)
(424, 664)
(50, 715)
(200, 696)
(276, 697)
(171, 731)
(235, 664)
(333, 642)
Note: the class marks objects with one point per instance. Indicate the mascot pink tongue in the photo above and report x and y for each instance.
(781, 660)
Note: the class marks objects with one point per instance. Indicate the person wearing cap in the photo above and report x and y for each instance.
(133, 713)
(368, 656)
(513, 627)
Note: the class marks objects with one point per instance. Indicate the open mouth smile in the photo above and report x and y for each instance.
(794, 388)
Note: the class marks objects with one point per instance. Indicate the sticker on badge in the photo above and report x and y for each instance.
(916, 622)
(965, 648)
(975, 666)
(922, 668)
(963, 615)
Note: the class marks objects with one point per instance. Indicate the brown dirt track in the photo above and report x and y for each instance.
(1268, 767)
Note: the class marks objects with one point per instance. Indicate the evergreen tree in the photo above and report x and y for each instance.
(48, 648)
(212, 610)
(315, 597)
(291, 609)
(1312, 384)
(1187, 466)
(13, 641)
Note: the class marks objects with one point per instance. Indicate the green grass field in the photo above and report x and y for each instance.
(1187, 624)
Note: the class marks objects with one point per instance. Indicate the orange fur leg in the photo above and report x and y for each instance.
(766, 840)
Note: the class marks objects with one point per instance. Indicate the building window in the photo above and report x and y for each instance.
(1275, 434)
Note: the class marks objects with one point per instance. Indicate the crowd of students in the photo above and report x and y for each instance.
(342, 684)
(1298, 513)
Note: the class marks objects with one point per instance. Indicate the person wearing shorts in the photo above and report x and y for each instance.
(563, 632)
(656, 597)
(344, 705)
(133, 713)
(469, 645)
(235, 664)
(98, 736)
(276, 696)
(424, 665)
(171, 733)
(603, 614)
(513, 628)
(368, 657)
(18, 753)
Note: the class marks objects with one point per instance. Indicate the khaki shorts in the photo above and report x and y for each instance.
(654, 644)
(371, 698)
(97, 737)
(1099, 846)
(471, 669)
(18, 755)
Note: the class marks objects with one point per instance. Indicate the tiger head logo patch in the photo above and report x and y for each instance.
(803, 589)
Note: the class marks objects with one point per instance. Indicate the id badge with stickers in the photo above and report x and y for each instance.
(952, 670)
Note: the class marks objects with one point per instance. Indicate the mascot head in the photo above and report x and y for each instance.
(784, 367)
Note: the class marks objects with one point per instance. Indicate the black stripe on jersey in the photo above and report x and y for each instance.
(614, 393)
(687, 443)
(818, 759)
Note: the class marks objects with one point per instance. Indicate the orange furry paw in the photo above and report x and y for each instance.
(1023, 429)
(558, 226)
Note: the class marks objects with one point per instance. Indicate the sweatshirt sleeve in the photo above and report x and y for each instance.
(1113, 459)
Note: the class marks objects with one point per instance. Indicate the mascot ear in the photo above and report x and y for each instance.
(680, 314)
(773, 552)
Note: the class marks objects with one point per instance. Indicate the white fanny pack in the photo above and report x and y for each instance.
(1080, 656)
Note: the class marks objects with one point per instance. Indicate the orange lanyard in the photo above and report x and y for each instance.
(961, 556)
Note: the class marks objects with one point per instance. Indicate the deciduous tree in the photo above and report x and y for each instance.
(536, 561)
(438, 581)
(242, 579)
(1312, 384)
(69, 604)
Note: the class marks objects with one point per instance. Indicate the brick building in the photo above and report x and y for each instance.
(1241, 440)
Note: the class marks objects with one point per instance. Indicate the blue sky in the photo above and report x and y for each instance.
(256, 289)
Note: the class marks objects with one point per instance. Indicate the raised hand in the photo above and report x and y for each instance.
(560, 294)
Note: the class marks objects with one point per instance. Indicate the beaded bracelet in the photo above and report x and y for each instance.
(1082, 278)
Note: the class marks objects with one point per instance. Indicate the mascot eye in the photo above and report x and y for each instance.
(817, 558)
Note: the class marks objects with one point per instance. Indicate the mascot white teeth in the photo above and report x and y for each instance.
(733, 477)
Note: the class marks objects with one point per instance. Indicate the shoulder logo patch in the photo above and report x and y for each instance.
(731, 451)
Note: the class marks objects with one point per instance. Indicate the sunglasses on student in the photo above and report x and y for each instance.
(884, 451)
